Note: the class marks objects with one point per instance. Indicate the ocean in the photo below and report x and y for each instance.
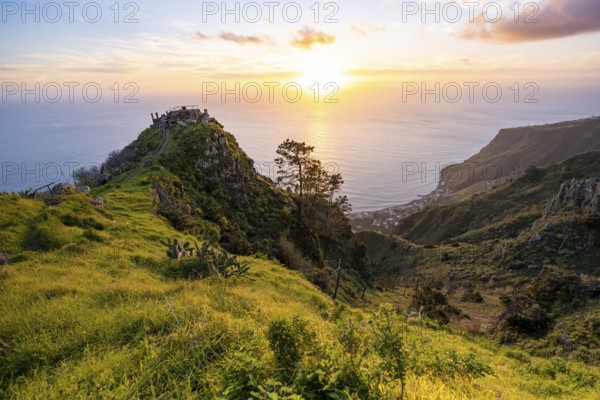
(388, 152)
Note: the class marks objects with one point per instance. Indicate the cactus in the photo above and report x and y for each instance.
(229, 266)
(177, 250)
(221, 264)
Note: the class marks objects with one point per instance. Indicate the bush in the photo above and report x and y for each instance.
(471, 296)
(450, 364)
(333, 376)
(435, 305)
(292, 257)
(532, 309)
(172, 203)
(208, 262)
(241, 376)
(119, 161)
(290, 340)
(522, 314)
(389, 344)
(89, 176)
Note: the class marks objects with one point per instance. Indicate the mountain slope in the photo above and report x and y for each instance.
(514, 150)
(502, 213)
(504, 159)
(93, 312)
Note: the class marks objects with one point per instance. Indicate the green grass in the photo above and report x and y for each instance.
(87, 310)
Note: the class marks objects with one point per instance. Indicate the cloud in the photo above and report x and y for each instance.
(366, 29)
(240, 39)
(555, 19)
(232, 37)
(307, 37)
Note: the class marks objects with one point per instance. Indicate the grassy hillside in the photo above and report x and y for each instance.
(89, 308)
(519, 261)
(502, 213)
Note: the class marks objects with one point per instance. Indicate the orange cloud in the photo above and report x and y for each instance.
(308, 37)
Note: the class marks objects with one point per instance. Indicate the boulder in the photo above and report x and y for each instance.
(98, 201)
(84, 189)
(63, 188)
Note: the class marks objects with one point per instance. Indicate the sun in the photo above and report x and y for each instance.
(319, 67)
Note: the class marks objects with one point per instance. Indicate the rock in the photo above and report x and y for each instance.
(577, 196)
(4, 258)
(63, 188)
(537, 239)
(84, 189)
(98, 201)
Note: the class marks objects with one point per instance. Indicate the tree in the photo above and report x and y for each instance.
(322, 228)
(292, 164)
(87, 176)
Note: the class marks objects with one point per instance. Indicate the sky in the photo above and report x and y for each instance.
(151, 48)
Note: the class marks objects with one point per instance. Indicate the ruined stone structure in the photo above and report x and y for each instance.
(182, 115)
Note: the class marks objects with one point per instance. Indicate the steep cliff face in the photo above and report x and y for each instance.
(514, 150)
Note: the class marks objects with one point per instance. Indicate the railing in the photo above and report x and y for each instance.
(181, 108)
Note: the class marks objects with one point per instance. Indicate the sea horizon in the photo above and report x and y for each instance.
(370, 145)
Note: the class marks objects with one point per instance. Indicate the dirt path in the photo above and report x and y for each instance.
(166, 136)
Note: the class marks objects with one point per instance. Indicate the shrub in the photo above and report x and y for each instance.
(472, 296)
(532, 309)
(241, 376)
(389, 344)
(522, 314)
(435, 305)
(450, 364)
(172, 203)
(119, 161)
(292, 257)
(290, 340)
(333, 376)
(89, 176)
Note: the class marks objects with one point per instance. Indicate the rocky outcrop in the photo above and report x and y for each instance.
(577, 196)
(571, 220)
